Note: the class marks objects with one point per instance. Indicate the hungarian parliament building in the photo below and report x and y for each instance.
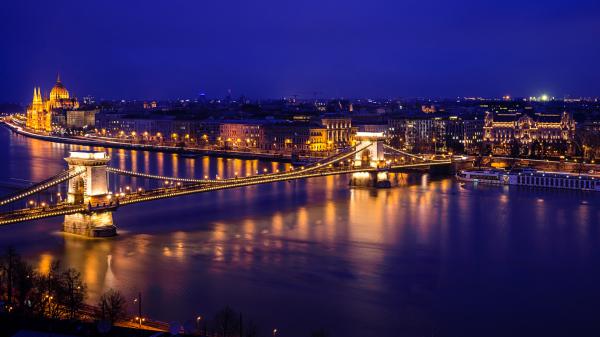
(39, 113)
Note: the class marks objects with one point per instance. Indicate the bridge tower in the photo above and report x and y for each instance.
(89, 189)
(370, 156)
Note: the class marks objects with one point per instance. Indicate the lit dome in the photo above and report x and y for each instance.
(59, 91)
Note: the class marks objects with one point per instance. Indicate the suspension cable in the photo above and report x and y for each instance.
(45, 184)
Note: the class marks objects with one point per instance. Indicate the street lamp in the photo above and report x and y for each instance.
(138, 300)
(274, 332)
(198, 319)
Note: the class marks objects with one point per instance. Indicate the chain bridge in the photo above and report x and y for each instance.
(89, 205)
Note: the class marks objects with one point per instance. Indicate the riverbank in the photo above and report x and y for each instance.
(154, 148)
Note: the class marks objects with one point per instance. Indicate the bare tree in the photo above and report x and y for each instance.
(24, 278)
(72, 291)
(226, 322)
(112, 307)
(7, 268)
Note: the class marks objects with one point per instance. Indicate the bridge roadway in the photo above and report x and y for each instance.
(200, 186)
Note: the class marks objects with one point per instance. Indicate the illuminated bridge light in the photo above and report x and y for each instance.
(322, 168)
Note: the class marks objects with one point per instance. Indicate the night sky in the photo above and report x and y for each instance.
(273, 48)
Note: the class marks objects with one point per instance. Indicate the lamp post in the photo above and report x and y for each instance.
(198, 319)
(139, 302)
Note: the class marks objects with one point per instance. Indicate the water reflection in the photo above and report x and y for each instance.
(413, 259)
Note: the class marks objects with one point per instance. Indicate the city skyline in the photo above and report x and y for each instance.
(316, 168)
(268, 50)
(540, 96)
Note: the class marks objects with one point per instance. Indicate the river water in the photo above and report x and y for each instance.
(426, 258)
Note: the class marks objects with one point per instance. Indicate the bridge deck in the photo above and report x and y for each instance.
(199, 187)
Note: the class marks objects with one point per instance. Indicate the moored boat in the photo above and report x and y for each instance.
(533, 178)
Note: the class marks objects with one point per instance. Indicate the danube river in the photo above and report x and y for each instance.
(426, 258)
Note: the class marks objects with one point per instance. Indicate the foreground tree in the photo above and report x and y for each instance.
(227, 323)
(72, 292)
(112, 307)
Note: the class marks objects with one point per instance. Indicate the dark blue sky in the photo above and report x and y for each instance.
(272, 48)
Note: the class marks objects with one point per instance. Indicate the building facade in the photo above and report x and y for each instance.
(340, 132)
(241, 134)
(522, 133)
(81, 118)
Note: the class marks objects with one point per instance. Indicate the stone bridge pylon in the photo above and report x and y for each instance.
(370, 155)
(89, 188)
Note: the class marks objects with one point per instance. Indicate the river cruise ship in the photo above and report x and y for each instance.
(491, 176)
(533, 178)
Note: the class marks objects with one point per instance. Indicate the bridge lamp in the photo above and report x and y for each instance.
(31, 202)
(205, 177)
(265, 170)
(43, 204)
(139, 189)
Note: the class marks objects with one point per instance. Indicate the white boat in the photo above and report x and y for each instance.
(491, 176)
(533, 178)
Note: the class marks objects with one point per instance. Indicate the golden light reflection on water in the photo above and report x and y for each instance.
(175, 165)
(122, 159)
(44, 264)
(302, 226)
(147, 168)
(160, 164)
(190, 166)
(283, 232)
(134, 161)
